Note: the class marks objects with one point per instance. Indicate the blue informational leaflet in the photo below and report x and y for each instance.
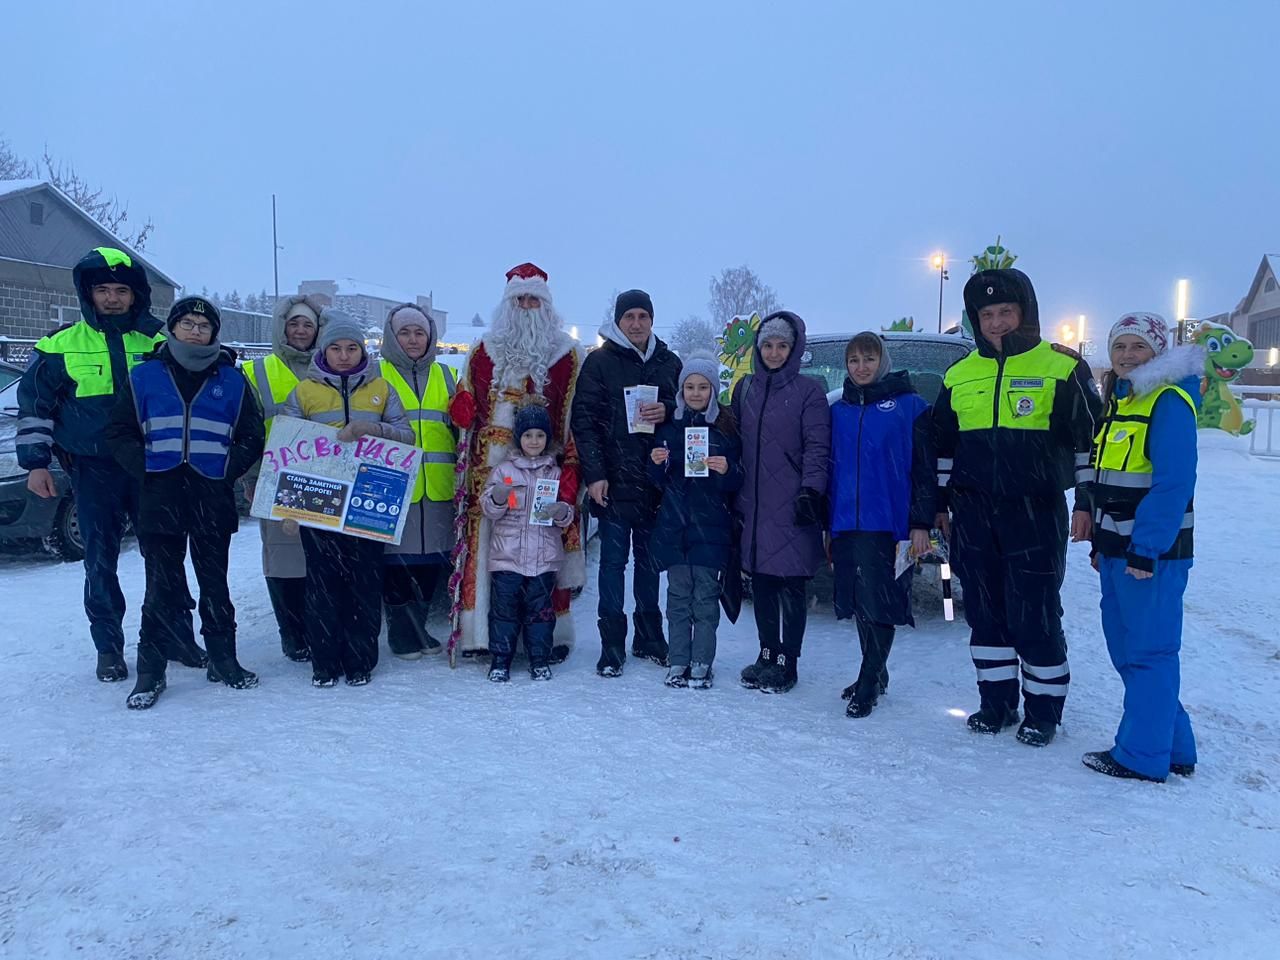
(374, 508)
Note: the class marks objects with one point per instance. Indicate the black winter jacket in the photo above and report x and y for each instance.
(182, 501)
(599, 421)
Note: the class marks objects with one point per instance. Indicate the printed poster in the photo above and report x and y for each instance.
(697, 447)
(359, 488)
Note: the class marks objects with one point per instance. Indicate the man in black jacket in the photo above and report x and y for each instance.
(187, 426)
(65, 399)
(615, 456)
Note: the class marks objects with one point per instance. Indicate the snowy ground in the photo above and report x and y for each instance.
(433, 815)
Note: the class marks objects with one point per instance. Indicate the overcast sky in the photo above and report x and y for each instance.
(830, 146)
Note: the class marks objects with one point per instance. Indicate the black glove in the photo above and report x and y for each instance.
(810, 508)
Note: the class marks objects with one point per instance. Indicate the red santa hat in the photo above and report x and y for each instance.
(527, 280)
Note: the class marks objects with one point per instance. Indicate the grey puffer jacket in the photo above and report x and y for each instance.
(515, 544)
(786, 445)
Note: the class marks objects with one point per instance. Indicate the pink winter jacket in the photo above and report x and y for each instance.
(515, 544)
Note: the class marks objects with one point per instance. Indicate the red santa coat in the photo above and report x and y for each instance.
(486, 414)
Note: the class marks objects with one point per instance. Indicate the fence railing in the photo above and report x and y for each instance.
(1261, 404)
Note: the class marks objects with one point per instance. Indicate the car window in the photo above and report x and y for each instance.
(925, 360)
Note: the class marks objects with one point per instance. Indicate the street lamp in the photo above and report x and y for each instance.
(1065, 332)
(940, 264)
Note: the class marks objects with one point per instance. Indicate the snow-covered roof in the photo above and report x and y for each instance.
(17, 186)
(1270, 262)
(10, 187)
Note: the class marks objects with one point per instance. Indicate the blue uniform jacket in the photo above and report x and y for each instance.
(883, 466)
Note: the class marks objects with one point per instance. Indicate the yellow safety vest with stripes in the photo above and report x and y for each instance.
(1122, 457)
(431, 426)
(1019, 397)
(279, 382)
(87, 357)
(323, 403)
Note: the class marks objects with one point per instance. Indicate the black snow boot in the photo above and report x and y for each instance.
(1037, 733)
(559, 654)
(146, 691)
(295, 649)
(613, 646)
(499, 672)
(402, 634)
(1104, 762)
(541, 672)
(992, 719)
(860, 707)
(112, 668)
(186, 651)
(751, 672)
(225, 668)
(779, 676)
(647, 642)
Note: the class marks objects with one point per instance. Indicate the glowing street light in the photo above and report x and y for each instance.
(939, 262)
(1183, 301)
(1066, 333)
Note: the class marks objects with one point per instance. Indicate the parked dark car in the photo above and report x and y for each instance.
(23, 515)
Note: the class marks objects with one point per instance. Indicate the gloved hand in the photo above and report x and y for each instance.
(358, 428)
(809, 508)
(560, 511)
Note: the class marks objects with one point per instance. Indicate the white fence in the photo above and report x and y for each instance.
(1263, 441)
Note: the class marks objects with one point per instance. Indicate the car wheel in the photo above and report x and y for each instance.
(65, 540)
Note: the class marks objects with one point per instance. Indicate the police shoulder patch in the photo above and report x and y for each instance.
(1066, 351)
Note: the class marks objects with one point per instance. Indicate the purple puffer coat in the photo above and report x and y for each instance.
(515, 544)
(786, 444)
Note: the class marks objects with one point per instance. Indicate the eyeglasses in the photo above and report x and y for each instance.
(191, 326)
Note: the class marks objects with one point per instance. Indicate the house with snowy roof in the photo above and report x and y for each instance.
(371, 302)
(43, 234)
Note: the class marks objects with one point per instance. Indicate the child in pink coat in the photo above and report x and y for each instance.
(525, 549)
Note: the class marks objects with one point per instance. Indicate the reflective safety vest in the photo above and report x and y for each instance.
(431, 427)
(325, 403)
(279, 382)
(87, 357)
(1122, 457)
(1012, 393)
(176, 432)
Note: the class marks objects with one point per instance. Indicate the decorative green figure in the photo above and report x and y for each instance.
(901, 325)
(1226, 356)
(737, 357)
(994, 257)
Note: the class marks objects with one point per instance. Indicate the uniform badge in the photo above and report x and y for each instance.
(197, 306)
(990, 291)
(887, 405)
(1026, 406)
(216, 391)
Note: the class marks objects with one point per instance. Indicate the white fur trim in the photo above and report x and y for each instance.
(564, 634)
(573, 570)
(533, 287)
(1169, 367)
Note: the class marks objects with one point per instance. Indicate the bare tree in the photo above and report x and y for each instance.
(12, 166)
(693, 333)
(738, 292)
(107, 210)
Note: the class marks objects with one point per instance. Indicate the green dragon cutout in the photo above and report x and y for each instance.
(994, 257)
(1227, 354)
(737, 358)
(901, 325)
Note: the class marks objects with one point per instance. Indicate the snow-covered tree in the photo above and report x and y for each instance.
(738, 292)
(12, 166)
(476, 321)
(233, 301)
(693, 333)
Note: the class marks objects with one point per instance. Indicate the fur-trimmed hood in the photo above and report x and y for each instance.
(1171, 367)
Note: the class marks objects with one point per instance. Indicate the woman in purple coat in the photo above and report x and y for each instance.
(786, 446)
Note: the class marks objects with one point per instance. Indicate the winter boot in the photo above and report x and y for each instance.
(882, 688)
(1182, 769)
(322, 683)
(232, 674)
(146, 691)
(499, 672)
(559, 654)
(860, 706)
(677, 676)
(186, 651)
(700, 676)
(648, 643)
(295, 649)
(111, 667)
(613, 646)
(1104, 762)
(1037, 733)
(779, 676)
(402, 633)
(359, 679)
(751, 673)
(992, 719)
(541, 672)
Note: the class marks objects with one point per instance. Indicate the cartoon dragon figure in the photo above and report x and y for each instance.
(1227, 354)
(737, 358)
(901, 325)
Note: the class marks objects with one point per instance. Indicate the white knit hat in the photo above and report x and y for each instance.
(1150, 328)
